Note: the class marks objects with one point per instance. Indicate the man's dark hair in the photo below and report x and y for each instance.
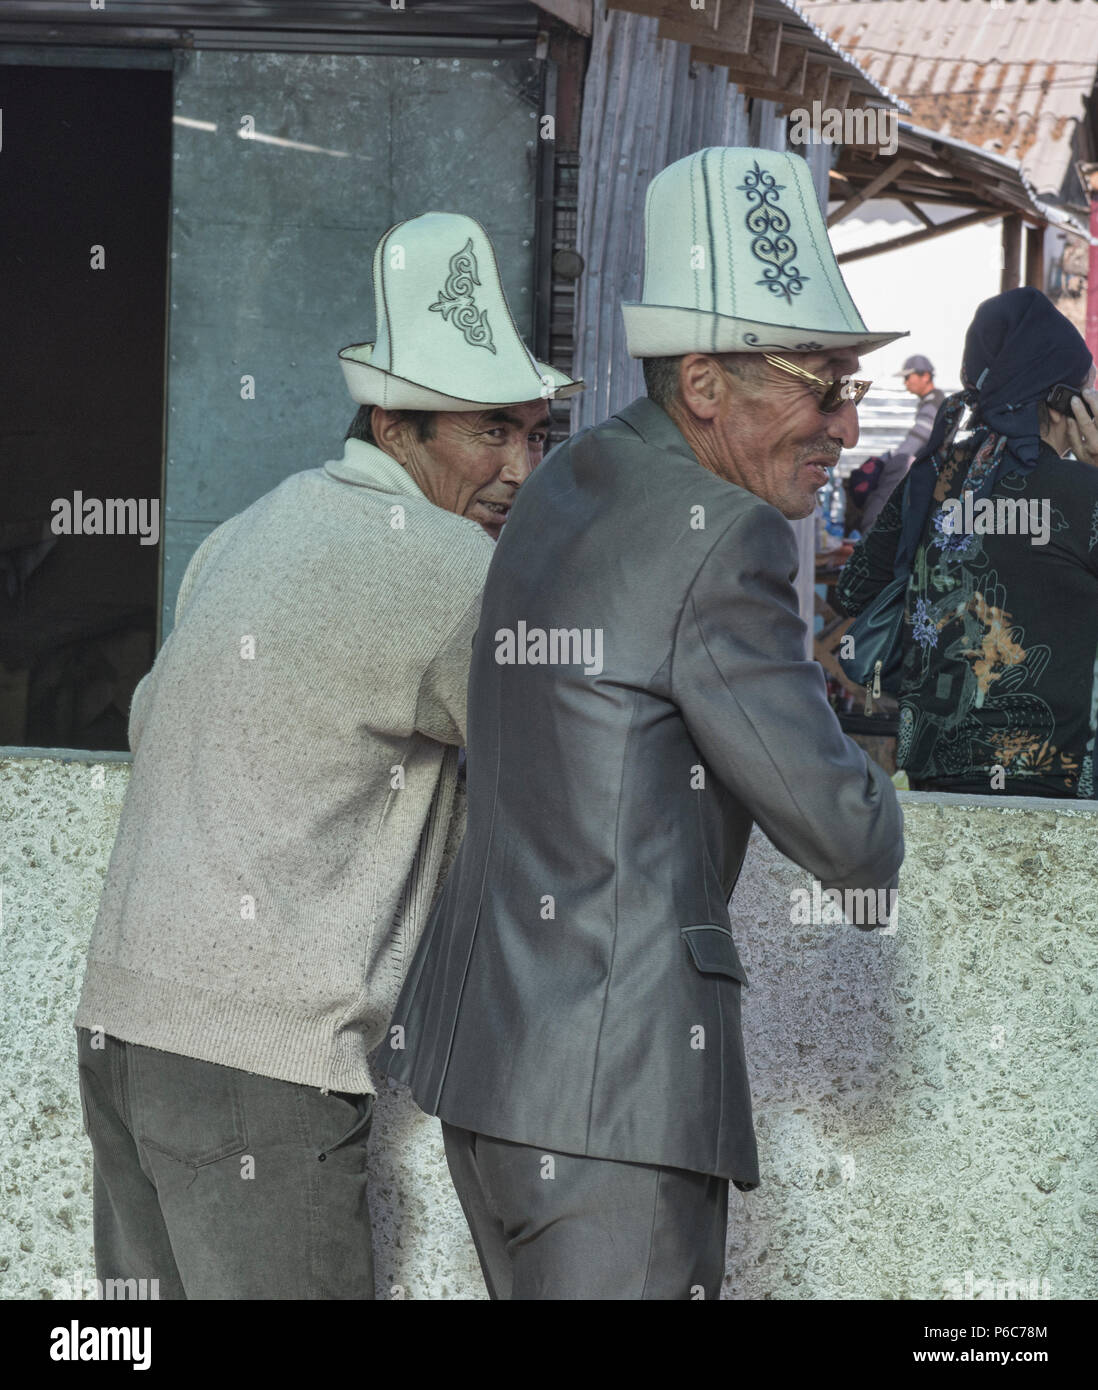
(661, 374)
(361, 426)
(661, 379)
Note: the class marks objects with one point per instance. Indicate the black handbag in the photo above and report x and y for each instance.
(877, 638)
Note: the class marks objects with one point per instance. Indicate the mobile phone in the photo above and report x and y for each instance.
(1059, 398)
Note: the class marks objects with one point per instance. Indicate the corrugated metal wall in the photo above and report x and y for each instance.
(644, 106)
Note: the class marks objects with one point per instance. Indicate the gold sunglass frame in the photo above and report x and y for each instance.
(831, 393)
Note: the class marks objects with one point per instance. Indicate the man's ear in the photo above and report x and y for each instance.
(389, 428)
(702, 385)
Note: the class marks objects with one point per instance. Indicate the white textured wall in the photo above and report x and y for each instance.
(926, 1102)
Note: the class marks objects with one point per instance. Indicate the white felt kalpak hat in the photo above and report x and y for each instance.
(445, 336)
(737, 259)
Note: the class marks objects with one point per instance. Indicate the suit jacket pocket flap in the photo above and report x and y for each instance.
(714, 951)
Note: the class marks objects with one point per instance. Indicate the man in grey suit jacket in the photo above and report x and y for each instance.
(638, 698)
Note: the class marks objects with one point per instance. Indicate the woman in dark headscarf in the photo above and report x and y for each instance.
(999, 533)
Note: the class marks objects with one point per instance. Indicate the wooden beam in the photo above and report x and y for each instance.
(760, 65)
(931, 172)
(782, 103)
(855, 103)
(838, 93)
(1011, 276)
(766, 45)
(1035, 257)
(869, 190)
(910, 185)
(568, 49)
(982, 186)
(961, 198)
(674, 11)
(916, 211)
(872, 119)
(816, 79)
(917, 186)
(577, 14)
(897, 243)
(855, 163)
(953, 168)
(787, 87)
(731, 31)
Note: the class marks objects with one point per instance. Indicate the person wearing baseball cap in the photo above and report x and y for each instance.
(870, 485)
(922, 370)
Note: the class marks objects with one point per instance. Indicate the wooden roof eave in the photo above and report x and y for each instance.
(906, 178)
(777, 55)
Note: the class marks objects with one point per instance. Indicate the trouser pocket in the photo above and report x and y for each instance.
(358, 1115)
(191, 1111)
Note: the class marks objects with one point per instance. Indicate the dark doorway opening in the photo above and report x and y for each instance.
(85, 163)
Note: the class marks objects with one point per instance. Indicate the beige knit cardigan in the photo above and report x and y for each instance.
(292, 798)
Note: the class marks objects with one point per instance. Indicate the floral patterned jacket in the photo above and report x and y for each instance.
(1000, 677)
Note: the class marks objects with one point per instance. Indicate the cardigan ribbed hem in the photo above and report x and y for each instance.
(264, 1039)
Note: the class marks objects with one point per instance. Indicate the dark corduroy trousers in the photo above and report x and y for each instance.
(219, 1184)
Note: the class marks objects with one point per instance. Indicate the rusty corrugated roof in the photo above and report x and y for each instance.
(1009, 77)
(801, 27)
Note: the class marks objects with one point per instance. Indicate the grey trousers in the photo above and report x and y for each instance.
(549, 1225)
(220, 1184)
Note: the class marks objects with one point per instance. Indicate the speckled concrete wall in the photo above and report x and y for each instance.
(925, 1101)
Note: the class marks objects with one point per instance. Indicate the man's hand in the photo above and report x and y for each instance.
(1082, 429)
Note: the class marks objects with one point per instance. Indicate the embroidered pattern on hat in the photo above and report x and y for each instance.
(455, 300)
(769, 227)
(753, 339)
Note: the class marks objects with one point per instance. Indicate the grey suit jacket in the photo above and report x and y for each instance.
(578, 986)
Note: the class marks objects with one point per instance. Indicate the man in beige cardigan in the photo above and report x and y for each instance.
(292, 800)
